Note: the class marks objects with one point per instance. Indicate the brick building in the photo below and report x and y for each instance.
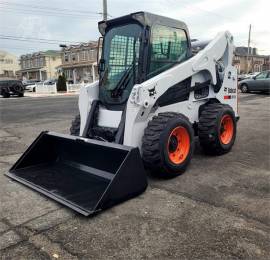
(253, 62)
(79, 62)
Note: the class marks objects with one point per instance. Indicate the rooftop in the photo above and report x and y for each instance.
(243, 51)
(42, 53)
(5, 53)
(90, 44)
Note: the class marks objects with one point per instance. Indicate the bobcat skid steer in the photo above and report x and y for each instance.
(153, 96)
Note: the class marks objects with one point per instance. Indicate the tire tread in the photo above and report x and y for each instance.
(207, 126)
(150, 142)
(75, 126)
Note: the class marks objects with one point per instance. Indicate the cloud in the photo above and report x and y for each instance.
(33, 26)
(260, 30)
(205, 18)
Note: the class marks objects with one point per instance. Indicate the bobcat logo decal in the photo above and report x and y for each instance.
(152, 91)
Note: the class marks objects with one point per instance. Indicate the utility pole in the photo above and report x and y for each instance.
(249, 34)
(105, 11)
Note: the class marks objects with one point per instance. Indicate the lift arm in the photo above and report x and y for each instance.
(144, 96)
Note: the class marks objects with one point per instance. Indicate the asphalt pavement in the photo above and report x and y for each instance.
(218, 209)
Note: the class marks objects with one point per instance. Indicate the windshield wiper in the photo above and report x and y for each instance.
(124, 81)
(105, 75)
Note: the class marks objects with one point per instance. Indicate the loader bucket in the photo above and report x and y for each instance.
(83, 174)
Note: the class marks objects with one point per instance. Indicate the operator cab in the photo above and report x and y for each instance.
(137, 47)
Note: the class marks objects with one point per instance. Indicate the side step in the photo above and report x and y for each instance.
(83, 174)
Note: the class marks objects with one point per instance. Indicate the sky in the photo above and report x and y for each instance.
(73, 21)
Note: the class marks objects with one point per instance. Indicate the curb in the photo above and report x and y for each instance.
(36, 95)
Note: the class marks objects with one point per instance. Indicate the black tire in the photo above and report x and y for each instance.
(17, 89)
(75, 126)
(159, 144)
(244, 88)
(34, 89)
(21, 94)
(215, 138)
(5, 94)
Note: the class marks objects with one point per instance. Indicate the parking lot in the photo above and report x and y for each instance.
(218, 209)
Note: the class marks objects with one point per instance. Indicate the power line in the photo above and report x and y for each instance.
(17, 48)
(4, 38)
(52, 14)
(187, 5)
(29, 40)
(37, 39)
(70, 11)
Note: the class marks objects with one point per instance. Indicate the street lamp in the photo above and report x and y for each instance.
(60, 70)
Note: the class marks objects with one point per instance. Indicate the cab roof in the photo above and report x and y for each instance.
(143, 18)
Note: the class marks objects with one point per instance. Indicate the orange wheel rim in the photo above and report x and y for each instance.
(178, 145)
(226, 129)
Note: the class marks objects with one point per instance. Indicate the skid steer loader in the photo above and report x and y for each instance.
(153, 96)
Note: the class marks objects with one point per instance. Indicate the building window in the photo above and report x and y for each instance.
(83, 55)
(66, 57)
(42, 62)
(8, 61)
(73, 56)
(68, 74)
(257, 68)
(91, 54)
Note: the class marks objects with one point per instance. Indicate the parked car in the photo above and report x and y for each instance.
(261, 83)
(10, 87)
(241, 76)
(247, 76)
(29, 84)
(50, 81)
(252, 75)
(47, 82)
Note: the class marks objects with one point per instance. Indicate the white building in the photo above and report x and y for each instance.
(40, 65)
(9, 64)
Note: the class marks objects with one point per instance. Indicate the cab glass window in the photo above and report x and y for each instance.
(169, 46)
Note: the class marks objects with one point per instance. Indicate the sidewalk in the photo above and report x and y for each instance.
(34, 94)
